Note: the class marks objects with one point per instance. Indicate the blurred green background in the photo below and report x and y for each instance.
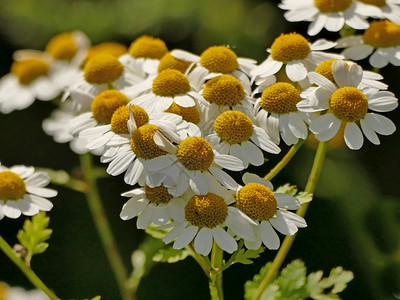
(354, 220)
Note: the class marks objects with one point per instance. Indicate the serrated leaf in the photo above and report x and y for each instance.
(292, 280)
(292, 190)
(246, 256)
(171, 255)
(251, 286)
(304, 197)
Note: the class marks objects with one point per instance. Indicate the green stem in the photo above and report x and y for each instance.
(26, 270)
(103, 227)
(287, 243)
(216, 262)
(200, 260)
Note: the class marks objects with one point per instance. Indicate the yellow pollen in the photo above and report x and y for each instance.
(103, 68)
(104, 105)
(382, 34)
(206, 210)
(233, 127)
(170, 83)
(195, 153)
(111, 48)
(288, 47)
(219, 59)
(325, 69)
(379, 3)
(332, 6)
(62, 46)
(12, 186)
(158, 194)
(170, 62)
(189, 114)
(349, 104)
(142, 142)
(280, 98)
(257, 201)
(29, 70)
(224, 90)
(148, 47)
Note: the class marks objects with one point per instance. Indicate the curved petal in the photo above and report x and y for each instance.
(203, 241)
(353, 136)
(224, 240)
(269, 236)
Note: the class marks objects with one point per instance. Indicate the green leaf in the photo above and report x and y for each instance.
(292, 280)
(244, 256)
(292, 190)
(251, 286)
(157, 233)
(171, 255)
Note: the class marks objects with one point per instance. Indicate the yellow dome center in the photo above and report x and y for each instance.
(325, 69)
(195, 153)
(170, 83)
(103, 68)
(62, 46)
(280, 98)
(170, 62)
(111, 48)
(257, 201)
(105, 104)
(332, 6)
(379, 3)
(206, 210)
(142, 142)
(189, 114)
(12, 186)
(382, 34)
(224, 90)
(148, 47)
(29, 70)
(349, 104)
(288, 47)
(158, 194)
(233, 127)
(219, 59)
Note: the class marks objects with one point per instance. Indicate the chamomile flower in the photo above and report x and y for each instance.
(111, 48)
(269, 210)
(293, 51)
(329, 14)
(381, 39)
(348, 103)
(19, 293)
(380, 9)
(22, 191)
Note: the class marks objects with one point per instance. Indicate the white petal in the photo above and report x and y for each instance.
(177, 230)
(228, 162)
(198, 183)
(42, 192)
(252, 154)
(358, 52)
(325, 127)
(38, 179)
(224, 240)
(225, 179)
(10, 211)
(185, 237)
(250, 177)
(334, 22)
(316, 26)
(297, 126)
(203, 241)
(132, 207)
(41, 203)
(295, 219)
(133, 173)
(120, 163)
(269, 236)
(282, 225)
(380, 124)
(369, 133)
(353, 136)
(287, 201)
(296, 70)
(377, 60)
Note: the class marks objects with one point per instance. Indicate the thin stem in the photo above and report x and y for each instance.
(287, 243)
(216, 262)
(103, 227)
(200, 260)
(26, 270)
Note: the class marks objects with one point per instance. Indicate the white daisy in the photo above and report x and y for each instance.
(19, 293)
(380, 9)
(22, 191)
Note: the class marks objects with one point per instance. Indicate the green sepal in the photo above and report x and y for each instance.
(171, 255)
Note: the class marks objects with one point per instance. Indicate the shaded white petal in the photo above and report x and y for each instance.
(250, 177)
(23, 171)
(369, 133)
(295, 219)
(269, 236)
(228, 162)
(120, 163)
(380, 124)
(41, 203)
(239, 223)
(287, 201)
(133, 173)
(38, 179)
(198, 183)
(353, 136)
(160, 162)
(225, 179)
(177, 230)
(261, 139)
(296, 70)
(377, 60)
(224, 240)
(132, 207)
(284, 226)
(203, 241)
(252, 153)
(325, 127)
(10, 211)
(42, 192)
(334, 22)
(358, 52)
(297, 126)
(316, 25)
(185, 237)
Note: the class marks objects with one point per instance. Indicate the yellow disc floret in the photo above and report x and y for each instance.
(224, 90)
(233, 127)
(257, 201)
(325, 69)
(105, 104)
(382, 34)
(280, 98)
(195, 153)
(170, 83)
(158, 194)
(62, 46)
(103, 68)
(148, 47)
(12, 186)
(288, 47)
(379, 3)
(206, 210)
(170, 62)
(349, 104)
(219, 59)
(111, 48)
(120, 118)
(189, 114)
(28, 70)
(332, 6)
(142, 142)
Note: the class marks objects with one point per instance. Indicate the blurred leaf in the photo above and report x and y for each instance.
(171, 255)
(251, 286)
(155, 232)
(292, 281)
(292, 190)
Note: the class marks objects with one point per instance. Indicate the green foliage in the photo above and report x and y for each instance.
(292, 190)
(243, 256)
(171, 255)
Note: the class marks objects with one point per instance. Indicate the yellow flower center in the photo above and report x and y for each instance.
(325, 69)
(148, 47)
(206, 210)
(219, 59)
(111, 48)
(12, 186)
(195, 153)
(62, 46)
(288, 47)
(120, 118)
(382, 34)
(233, 127)
(224, 90)
(332, 6)
(280, 98)
(257, 201)
(349, 104)
(169, 83)
(142, 142)
(3, 291)
(170, 62)
(29, 70)
(103, 68)
(189, 114)
(105, 104)
(379, 3)
(158, 194)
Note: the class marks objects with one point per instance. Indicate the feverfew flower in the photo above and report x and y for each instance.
(380, 9)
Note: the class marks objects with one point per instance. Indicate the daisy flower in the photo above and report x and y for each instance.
(269, 210)
(22, 191)
(293, 51)
(381, 39)
(19, 293)
(329, 14)
(348, 103)
(381, 9)
(111, 48)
